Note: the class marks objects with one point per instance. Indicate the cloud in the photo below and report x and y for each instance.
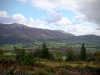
(97, 28)
(3, 13)
(54, 4)
(80, 29)
(58, 20)
(54, 17)
(97, 32)
(38, 23)
(44, 4)
(80, 17)
(16, 18)
(89, 9)
(19, 18)
(63, 22)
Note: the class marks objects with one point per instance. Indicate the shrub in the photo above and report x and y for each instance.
(1, 51)
(24, 58)
(10, 71)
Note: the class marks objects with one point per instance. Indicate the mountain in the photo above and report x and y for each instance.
(22, 31)
(18, 32)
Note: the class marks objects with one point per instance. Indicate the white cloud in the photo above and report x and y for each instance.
(80, 29)
(19, 18)
(37, 23)
(80, 17)
(89, 8)
(3, 13)
(44, 4)
(63, 22)
(54, 17)
(16, 18)
(54, 4)
(58, 19)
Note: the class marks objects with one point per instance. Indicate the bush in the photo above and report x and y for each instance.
(1, 51)
(36, 53)
(10, 71)
(24, 58)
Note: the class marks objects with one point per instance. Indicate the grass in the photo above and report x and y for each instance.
(64, 58)
(48, 67)
(81, 64)
(9, 53)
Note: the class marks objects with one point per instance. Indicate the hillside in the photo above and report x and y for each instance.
(22, 31)
(16, 33)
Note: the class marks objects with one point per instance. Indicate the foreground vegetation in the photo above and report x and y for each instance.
(46, 67)
(43, 62)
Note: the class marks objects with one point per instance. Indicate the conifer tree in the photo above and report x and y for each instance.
(83, 54)
(44, 52)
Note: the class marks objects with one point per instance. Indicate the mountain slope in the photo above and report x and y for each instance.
(16, 33)
(23, 31)
(19, 32)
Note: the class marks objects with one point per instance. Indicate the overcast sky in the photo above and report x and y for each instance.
(79, 17)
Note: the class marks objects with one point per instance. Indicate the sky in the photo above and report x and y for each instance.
(79, 17)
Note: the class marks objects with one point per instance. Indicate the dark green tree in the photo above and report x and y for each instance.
(70, 54)
(44, 53)
(83, 54)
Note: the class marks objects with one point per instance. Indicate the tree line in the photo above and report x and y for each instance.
(70, 54)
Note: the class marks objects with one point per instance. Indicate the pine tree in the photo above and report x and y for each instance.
(83, 54)
(44, 52)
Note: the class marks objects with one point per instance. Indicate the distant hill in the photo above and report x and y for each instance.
(22, 31)
(18, 32)
(15, 33)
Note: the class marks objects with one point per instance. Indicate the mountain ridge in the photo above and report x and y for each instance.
(29, 32)
(19, 32)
